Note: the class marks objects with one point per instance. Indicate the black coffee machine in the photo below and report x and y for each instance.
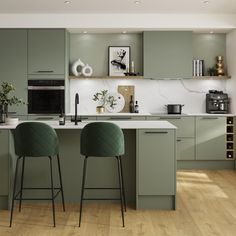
(217, 102)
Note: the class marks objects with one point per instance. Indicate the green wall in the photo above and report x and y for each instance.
(93, 49)
(208, 46)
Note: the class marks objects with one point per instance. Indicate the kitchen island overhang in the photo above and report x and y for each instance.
(149, 164)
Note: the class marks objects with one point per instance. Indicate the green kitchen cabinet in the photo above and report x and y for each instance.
(184, 124)
(185, 149)
(13, 64)
(185, 134)
(4, 162)
(167, 54)
(210, 138)
(46, 53)
(156, 162)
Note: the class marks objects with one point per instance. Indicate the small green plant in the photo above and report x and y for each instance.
(5, 98)
(104, 98)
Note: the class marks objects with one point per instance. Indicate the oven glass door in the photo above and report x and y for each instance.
(45, 101)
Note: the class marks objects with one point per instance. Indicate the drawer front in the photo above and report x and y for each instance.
(185, 125)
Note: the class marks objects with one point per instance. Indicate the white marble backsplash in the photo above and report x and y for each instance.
(152, 95)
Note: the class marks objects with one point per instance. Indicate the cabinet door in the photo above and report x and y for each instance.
(4, 162)
(156, 162)
(210, 138)
(46, 52)
(13, 64)
(185, 149)
(167, 54)
(185, 125)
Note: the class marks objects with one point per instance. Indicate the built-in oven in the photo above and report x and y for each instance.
(46, 96)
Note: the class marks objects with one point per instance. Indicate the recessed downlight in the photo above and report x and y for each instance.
(67, 2)
(206, 1)
(137, 2)
(211, 32)
(124, 32)
(85, 32)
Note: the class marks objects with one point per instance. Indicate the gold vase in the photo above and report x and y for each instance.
(220, 66)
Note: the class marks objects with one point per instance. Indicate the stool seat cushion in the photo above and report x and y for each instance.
(102, 139)
(35, 139)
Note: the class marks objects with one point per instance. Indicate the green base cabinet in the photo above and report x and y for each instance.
(156, 167)
(210, 138)
(4, 163)
(167, 54)
(185, 149)
(185, 135)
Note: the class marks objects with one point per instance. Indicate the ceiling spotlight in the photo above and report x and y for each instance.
(137, 2)
(67, 2)
(85, 32)
(124, 32)
(206, 1)
(211, 32)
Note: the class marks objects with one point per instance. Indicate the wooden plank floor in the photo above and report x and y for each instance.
(206, 205)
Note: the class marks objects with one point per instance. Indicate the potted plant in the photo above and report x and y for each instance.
(103, 99)
(6, 100)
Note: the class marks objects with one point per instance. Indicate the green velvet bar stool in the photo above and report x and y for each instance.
(36, 140)
(103, 139)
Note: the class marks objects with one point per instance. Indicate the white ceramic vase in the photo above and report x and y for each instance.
(87, 70)
(77, 67)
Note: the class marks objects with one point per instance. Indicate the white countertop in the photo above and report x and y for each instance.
(110, 114)
(139, 124)
(191, 114)
(149, 114)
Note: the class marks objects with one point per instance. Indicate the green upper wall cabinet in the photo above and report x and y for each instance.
(46, 53)
(167, 54)
(210, 138)
(13, 64)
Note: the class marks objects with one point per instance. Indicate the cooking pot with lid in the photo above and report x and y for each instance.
(174, 108)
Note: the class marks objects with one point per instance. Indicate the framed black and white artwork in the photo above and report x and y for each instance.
(118, 60)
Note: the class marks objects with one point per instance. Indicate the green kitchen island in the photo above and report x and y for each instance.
(149, 165)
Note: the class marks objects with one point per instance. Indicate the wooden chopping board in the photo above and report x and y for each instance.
(126, 91)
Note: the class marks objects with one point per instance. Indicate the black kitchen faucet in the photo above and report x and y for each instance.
(76, 104)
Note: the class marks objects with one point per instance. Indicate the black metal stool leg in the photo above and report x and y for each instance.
(121, 192)
(82, 189)
(22, 182)
(122, 178)
(61, 186)
(52, 190)
(14, 191)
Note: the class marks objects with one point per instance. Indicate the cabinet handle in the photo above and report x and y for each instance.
(120, 118)
(45, 71)
(156, 132)
(170, 118)
(210, 118)
(44, 118)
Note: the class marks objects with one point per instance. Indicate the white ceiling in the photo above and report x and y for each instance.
(119, 6)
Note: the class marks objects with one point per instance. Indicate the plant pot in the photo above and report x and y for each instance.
(100, 110)
(11, 121)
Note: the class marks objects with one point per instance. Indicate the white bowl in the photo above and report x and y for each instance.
(12, 121)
